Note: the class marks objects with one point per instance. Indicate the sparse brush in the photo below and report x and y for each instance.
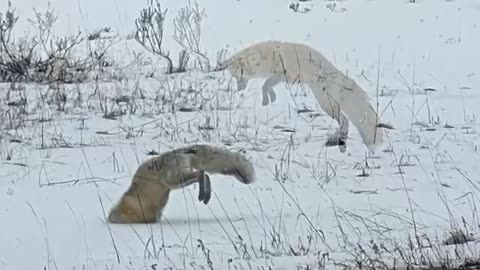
(188, 26)
(45, 57)
(149, 32)
(150, 27)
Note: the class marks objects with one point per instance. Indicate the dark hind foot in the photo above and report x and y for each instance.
(205, 188)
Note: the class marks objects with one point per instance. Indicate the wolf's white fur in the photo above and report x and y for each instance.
(157, 176)
(338, 95)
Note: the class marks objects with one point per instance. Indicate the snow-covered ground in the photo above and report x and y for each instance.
(312, 206)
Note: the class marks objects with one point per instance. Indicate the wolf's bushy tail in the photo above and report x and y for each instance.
(355, 103)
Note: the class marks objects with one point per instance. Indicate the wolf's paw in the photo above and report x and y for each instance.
(265, 101)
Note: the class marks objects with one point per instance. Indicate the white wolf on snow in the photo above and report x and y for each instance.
(337, 95)
(154, 180)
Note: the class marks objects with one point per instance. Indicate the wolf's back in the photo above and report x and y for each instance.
(294, 61)
(220, 160)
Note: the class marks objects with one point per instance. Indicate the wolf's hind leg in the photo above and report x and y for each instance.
(205, 187)
(267, 90)
(188, 176)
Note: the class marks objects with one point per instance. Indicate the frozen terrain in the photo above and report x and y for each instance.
(312, 207)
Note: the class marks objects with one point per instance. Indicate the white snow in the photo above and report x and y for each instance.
(309, 200)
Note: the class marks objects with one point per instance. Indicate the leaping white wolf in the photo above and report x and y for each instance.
(338, 95)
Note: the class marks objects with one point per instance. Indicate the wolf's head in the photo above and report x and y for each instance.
(238, 70)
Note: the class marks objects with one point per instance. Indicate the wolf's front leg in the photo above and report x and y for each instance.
(241, 83)
(267, 90)
(338, 138)
(332, 108)
(143, 202)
